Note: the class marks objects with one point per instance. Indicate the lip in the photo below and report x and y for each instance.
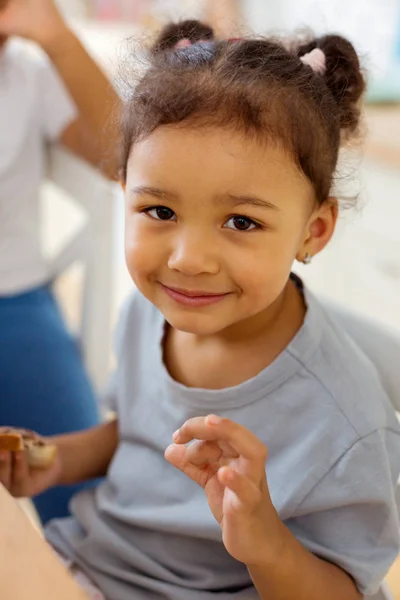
(193, 297)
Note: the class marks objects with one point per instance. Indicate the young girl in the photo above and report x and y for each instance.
(58, 95)
(282, 450)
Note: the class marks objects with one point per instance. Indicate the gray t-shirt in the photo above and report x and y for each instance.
(147, 532)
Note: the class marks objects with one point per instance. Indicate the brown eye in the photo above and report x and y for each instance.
(240, 223)
(161, 213)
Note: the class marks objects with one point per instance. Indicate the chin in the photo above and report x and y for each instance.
(198, 323)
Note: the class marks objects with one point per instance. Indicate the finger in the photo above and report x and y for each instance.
(176, 456)
(226, 448)
(200, 453)
(181, 456)
(248, 495)
(20, 473)
(5, 469)
(242, 440)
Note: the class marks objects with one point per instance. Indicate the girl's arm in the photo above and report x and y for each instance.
(346, 513)
(296, 573)
(29, 570)
(87, 454)
(81, 456)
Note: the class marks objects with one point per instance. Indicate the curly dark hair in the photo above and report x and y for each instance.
(259, 87)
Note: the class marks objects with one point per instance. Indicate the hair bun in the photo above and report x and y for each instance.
(343, 76)
(192, 30)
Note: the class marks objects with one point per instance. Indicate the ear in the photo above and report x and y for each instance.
(319, 229)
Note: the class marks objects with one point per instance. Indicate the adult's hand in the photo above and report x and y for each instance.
(37, 20)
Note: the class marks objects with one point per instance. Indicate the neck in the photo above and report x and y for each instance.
(238, 353)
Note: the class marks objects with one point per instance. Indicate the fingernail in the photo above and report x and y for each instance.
(168, 450)
(214, 420)
(175, 435)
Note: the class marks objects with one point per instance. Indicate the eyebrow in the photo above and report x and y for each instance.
(250, 200)
(144, 190)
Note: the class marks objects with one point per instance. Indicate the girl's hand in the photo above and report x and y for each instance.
(21, 480)
(38, 20)
(228, 461)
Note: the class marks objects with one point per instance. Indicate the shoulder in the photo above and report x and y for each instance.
(31, 73)
(350, 516)
(26, 57)
(345, 376)
(32, 69)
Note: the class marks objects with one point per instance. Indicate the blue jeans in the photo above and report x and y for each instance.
(43, 384)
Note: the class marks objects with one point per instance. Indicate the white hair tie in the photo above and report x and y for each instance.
(316, 60)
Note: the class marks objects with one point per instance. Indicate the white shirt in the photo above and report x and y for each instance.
(35, 109)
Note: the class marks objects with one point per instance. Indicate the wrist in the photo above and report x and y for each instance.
(60, 471)
(272, 548)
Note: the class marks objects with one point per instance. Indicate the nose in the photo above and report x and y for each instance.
(193, 254)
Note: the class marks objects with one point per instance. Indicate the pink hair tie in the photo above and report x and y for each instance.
(316, 60)
(184, 43)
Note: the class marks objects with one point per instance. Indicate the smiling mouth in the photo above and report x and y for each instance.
(193, 297)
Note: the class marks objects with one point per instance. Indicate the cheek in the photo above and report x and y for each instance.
(263, 271)
(142, 253)
(265, 279)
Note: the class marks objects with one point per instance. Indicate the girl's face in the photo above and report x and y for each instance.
(213, 225)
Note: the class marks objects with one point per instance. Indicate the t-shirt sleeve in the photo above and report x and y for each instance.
(108, 396)
(57, 108)
(350, 517)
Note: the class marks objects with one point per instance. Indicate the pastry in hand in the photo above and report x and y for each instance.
(41, 454)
